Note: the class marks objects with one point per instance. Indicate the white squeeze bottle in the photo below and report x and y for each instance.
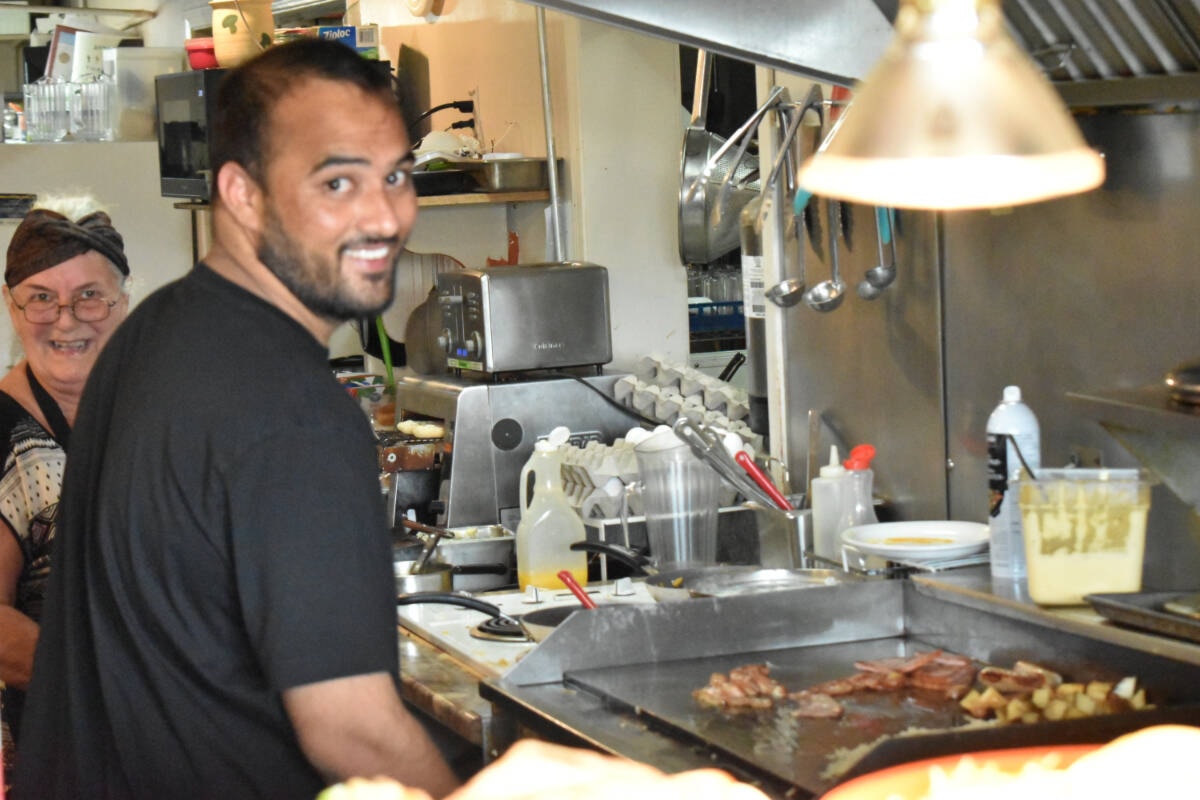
(549, 524)
(1012, 419)
(831, 504)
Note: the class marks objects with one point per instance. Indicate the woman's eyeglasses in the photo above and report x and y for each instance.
(44, 310)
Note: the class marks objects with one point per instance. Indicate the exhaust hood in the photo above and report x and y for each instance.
(832, 41)
(1120, 52)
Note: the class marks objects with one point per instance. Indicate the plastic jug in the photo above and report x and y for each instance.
(549, 524)
(681, 498)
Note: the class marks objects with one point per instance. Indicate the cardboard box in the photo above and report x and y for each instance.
(363, 38)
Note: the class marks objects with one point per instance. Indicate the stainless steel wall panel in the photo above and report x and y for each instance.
(874, 368)
(1092, 292)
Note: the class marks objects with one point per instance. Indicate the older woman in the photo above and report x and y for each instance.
(65, 288)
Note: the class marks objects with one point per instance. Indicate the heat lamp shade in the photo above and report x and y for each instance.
(954, 116)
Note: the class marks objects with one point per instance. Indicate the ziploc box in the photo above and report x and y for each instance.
(134, 69)
(363, 38)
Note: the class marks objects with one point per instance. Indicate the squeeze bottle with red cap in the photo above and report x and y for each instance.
(862, 482)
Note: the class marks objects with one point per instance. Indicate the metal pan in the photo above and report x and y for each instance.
(437, 576)
(721, 580)
(537, 625)
(731, 581)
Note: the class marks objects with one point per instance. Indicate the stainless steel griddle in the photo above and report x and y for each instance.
(622, 680)
(795, 750)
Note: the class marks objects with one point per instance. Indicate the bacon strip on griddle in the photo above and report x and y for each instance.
(952, 677)
(815, 705)
(749, 686)
(903, 665)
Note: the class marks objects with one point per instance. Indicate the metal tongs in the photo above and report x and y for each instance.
(709, 447)
(435, 535)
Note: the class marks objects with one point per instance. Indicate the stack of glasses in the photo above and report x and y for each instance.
(56, 109)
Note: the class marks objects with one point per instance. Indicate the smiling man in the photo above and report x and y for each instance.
(220, 620)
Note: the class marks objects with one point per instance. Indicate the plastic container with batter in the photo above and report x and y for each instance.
(1085, 532)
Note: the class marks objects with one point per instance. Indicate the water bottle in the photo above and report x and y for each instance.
(549, 523)
(1011, 421)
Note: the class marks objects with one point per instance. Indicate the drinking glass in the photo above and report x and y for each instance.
(47, 110)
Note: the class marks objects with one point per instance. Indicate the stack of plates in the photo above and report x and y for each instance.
(923, 543)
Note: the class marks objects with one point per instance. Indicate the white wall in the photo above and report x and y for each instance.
(617, 125)
(124, 177)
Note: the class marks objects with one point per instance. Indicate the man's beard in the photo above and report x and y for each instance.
(314, 281)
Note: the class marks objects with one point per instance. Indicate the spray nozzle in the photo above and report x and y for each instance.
(834, 467)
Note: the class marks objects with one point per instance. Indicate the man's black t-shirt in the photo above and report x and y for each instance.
(222, 539)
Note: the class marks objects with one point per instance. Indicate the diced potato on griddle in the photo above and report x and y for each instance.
(1056, 709)
(970, 703)
(1017, 708)
(1098, 690)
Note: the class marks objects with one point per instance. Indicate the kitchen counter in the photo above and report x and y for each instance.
(531, 698)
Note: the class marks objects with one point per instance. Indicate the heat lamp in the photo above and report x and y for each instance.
(953, 116)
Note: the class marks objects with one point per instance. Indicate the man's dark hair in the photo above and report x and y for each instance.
(247, 95)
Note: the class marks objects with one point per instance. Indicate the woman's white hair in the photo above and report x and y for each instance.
(73, 205)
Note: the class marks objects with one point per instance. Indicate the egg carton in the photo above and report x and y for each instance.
(595, 477)
(711, 402)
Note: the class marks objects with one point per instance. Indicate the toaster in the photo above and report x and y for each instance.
(526, 317)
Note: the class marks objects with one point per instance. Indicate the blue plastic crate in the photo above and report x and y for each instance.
(725, 316)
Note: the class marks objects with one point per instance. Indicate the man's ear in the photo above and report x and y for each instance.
(241, 194)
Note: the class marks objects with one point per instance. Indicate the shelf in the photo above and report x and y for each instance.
(1162, 434)
(1147, 408)
(483, 198)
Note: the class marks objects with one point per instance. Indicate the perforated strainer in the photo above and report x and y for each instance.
(708, 215)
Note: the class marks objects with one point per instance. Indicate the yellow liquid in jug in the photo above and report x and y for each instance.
(548, 579)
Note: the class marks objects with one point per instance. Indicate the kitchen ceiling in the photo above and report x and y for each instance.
(1077, 40)
(1100, 52)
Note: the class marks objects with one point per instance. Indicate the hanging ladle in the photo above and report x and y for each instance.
(880, 277)
(828, 294)
(790, 291)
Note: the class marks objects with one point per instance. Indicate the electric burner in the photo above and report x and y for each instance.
(458, 632)
(500, 629)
